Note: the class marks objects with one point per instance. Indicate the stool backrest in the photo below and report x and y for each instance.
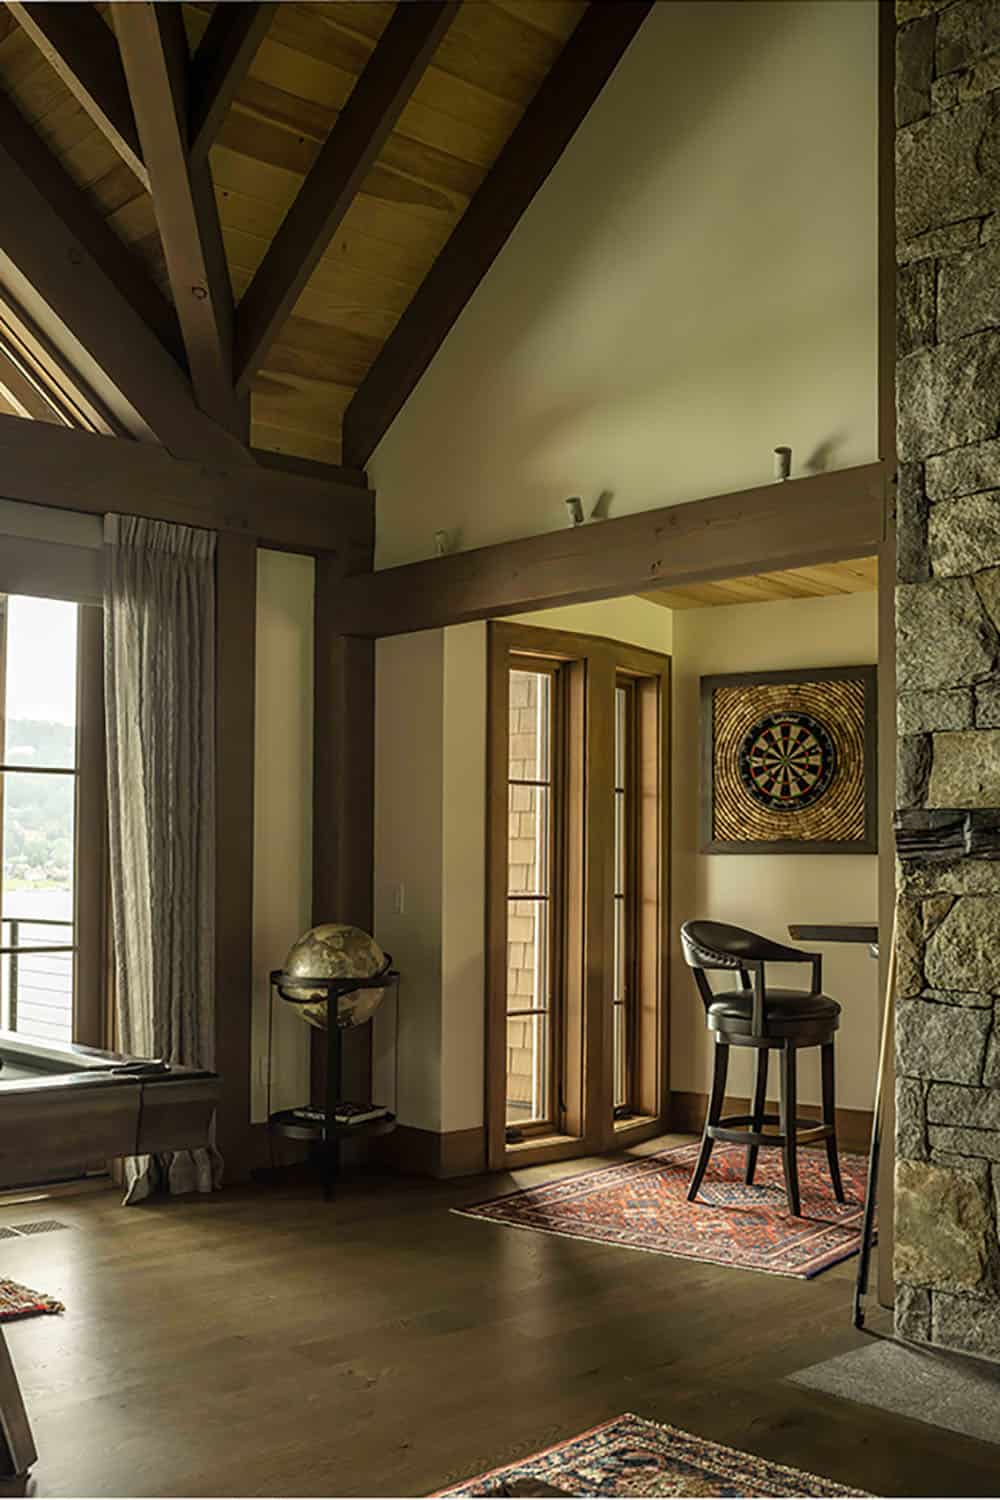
(717, 945)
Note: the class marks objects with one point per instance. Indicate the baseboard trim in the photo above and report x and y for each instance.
(430, 1153)
(687, 1116)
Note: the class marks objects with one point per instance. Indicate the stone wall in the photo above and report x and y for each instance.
(947, 1257)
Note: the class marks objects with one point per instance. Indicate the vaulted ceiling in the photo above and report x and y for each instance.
(411, 113)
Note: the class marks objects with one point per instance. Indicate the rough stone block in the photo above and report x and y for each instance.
(948, 166)
(937, 243)
(964, 471)
(945, 92)
(914, 69)
(909, 947)
(913, 767)
(942, 1043)
(966, 769)
(967, 32)
(944, 1223)
(943, 636)
(984, 1144)
(913, 1313)
(963, 536)
(971, 998)
(962, 955)
(971, 1108)
(989, 229)
(987, 586)
(988, 704)
(968, 298)
(911, 1126)
(991, 1067)
(912, 557)
(909, 10)
(917, 713)
(934, 910)
(949, 395)
(971, 1324)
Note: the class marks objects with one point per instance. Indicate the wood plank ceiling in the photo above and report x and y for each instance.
(858, 576)
(484, 71)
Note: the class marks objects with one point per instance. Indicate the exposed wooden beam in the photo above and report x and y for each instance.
(155, 55)
(312, 468)
(60, 466)
(362, 127)
(785, 525)
(564, 98)
(220, 63)
(81, 47)
(92, 298)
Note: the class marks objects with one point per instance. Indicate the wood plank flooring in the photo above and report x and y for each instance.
(263, 1343)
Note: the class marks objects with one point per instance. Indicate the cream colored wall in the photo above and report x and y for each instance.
(633, 621)
(694, 284)
(409, 750)
(767, 891)
(283, 767)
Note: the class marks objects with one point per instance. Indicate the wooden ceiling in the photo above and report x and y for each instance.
(859, 576)
(475, 68)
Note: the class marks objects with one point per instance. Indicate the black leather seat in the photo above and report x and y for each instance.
(784, 1011)
(769, 1019)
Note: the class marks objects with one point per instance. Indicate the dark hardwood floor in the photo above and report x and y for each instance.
(264, 1343)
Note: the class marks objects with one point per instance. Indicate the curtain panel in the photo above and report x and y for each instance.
(159, 622)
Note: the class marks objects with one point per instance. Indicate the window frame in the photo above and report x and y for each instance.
(90, 1017)
(591, 668)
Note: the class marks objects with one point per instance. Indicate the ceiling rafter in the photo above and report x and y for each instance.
(66, 267)
(157, 66)
(82, 49)
(350, 151)
(563, 99)
(221, 62)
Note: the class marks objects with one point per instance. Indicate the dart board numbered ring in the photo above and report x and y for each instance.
(787, 761)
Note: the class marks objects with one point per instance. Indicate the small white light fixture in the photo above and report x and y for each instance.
(442, 544)
(782, 463)
(574, 510)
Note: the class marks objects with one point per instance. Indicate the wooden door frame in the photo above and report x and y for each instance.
(594, 664)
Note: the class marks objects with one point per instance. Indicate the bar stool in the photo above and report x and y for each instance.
(769, 1019)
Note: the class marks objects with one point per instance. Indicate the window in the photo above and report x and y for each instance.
(533, 888)
(48, 651)
(576, 893)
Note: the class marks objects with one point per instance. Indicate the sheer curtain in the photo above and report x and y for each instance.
(159, 614)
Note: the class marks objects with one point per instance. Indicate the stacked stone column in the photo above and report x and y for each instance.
(948, 671)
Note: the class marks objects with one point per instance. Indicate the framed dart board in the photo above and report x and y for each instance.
(789, 762)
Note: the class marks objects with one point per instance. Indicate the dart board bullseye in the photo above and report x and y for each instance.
(787, 761)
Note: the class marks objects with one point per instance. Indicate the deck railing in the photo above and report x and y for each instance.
(38, 987)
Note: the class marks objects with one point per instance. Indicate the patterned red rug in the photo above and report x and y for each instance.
(17, 1301)
(630, 1456)
(642, 1204)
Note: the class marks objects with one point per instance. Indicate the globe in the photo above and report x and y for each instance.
(334, 950)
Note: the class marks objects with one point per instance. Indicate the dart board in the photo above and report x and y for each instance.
(787, 761)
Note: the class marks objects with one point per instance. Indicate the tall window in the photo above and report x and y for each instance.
(623, 1029)
(39, 771)
(532, 876)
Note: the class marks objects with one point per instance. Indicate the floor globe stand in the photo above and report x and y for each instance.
(321, 1128)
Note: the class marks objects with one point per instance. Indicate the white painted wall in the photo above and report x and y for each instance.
(694, 284)
(283, 807)
(636, 622)
(767, 891)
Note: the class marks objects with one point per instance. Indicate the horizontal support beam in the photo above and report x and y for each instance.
(59, 466)
(823, 518)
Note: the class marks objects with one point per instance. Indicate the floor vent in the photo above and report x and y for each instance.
(40, 1226)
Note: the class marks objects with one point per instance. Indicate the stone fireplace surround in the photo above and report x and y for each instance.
(947, 1250)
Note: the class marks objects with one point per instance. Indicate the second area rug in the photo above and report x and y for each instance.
(631, 1456)
(641, 1204)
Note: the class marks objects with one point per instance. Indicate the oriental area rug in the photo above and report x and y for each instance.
(17, 1301)
(631, 1456)
(641, 1204)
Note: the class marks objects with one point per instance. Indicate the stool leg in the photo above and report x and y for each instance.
(759, 1100)
(830, 1118)
(718, 1094)
(789, 1108)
